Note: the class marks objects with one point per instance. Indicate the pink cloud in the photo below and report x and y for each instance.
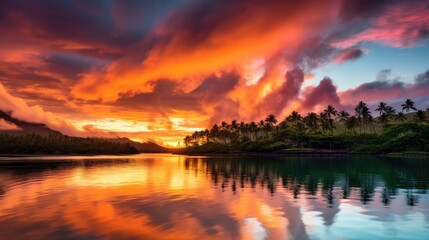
(400, 25)
(387, 89)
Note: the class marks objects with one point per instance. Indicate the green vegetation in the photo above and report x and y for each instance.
(60, 144)
(359, 132)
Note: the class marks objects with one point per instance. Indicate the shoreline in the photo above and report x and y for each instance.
(305, 152)
(284, 152)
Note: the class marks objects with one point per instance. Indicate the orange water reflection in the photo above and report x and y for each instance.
(177, 197)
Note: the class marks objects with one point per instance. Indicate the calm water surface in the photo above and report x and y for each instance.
(179, 197)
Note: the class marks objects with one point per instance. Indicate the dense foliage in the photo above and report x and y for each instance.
(391, 131)
(59, 144)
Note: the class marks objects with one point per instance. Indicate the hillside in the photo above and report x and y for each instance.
(26, 127)
(147, 147)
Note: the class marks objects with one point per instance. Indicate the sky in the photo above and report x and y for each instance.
(158, 70)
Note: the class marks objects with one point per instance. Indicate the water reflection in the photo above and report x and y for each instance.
(333, 177)
(177, 197)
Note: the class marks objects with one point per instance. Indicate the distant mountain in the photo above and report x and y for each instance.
(26, 127)
(43, 130)
(147, 147)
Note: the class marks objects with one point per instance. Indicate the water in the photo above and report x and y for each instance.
(162, 196)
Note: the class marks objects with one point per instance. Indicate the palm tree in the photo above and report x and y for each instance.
(330, 110)
(206, 134)
(271, 121)
(224, 131)
(253, 127)
(408, 105)
(295, 118)
(214, 132)
(359, 110)
(381, 107)
(311, 120)
(420, 116)
(187, 140)
(326, 123)
(383, 119)
(234, 126)
(362, 113)
(371, 121)
(351, 123)
(261, 125)
(400, 117)
(390, 112)
(343, 116)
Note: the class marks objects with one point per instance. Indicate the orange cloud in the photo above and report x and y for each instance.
(118, 72)
(7, 125)
(186, 52)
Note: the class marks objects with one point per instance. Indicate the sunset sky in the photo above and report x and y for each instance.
(157, 70)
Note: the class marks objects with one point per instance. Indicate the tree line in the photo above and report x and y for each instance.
(361, 121)
(60, 144)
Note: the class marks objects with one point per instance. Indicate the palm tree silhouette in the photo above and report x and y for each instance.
(343, 116)
(360, 112)
(408, 105)
(261, 125)
(253, 128)
(390, 112)
(312, 121)
(330, 110)
(295, 118)
(351, 123)
(371, 121)
(206, 134)
(271, 119)
(381, 107)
